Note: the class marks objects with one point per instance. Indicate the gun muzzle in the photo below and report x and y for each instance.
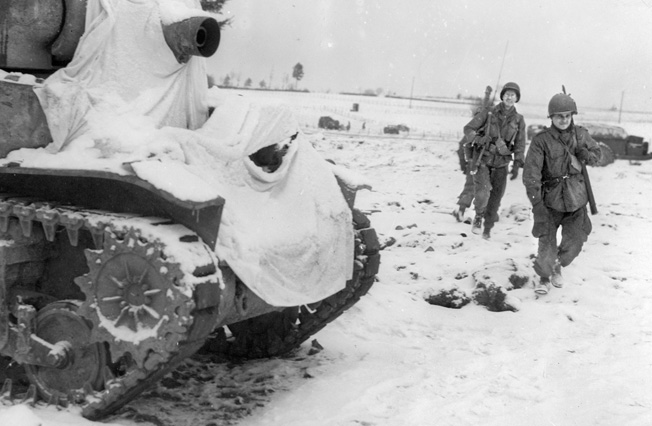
(196, 36)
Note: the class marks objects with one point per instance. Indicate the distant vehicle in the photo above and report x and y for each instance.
(395, 129)
(622, 145)
(533, 129)
(329, 123)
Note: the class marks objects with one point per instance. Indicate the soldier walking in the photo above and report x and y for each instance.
(465, 199)
(496, 135)
(556, 187)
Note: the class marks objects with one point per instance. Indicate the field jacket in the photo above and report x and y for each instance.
(552, 174)
(506, 125)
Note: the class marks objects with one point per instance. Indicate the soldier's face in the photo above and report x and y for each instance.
(509, 98)
(562, 120)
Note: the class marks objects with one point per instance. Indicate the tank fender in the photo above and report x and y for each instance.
(349, 182)
(74, 25)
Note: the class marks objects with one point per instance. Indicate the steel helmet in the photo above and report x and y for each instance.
(511, 86)
(561, 102)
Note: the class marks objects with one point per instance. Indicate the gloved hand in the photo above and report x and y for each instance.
(540, 212)
(514, 172)
(583, 155)
(515, 166)
(464, 167)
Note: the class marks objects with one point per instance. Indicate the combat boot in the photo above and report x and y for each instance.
(459, 213)
(556, 278)
(543, 286)
(486, 234)
(477, 224)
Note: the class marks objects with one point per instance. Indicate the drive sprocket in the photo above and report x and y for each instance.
(134, 300)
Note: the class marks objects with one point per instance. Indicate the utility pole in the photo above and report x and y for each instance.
(620, 113)
(411, 93)
(271, 75)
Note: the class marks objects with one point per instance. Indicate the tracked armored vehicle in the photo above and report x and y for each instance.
(108, 282)
(619, 144)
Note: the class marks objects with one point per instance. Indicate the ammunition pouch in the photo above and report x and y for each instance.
(502, 148)
(480, 141)
(576, 164)
(565, 193)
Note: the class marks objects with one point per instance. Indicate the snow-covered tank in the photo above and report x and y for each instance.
(134, 229)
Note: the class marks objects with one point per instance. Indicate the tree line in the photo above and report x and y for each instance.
(233, 79)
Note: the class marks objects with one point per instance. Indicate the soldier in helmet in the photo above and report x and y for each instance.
(555, 186)
(497, 135)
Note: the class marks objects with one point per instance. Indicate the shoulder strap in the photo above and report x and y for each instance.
(571, 156)
(573, 142)
(511, 140)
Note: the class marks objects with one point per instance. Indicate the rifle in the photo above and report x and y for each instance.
(585, 174)
(589, 190)
(477, 157)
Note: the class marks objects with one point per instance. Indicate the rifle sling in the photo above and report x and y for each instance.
(554, 181)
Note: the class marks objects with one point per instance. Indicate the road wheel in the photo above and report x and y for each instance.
(58, 322)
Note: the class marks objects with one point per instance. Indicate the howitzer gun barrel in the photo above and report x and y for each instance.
(196, 36)
(39, 37)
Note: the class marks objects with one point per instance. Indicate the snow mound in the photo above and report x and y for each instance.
(519, 212)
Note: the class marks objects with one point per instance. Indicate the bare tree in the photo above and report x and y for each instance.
(297, 73)
(215, 6)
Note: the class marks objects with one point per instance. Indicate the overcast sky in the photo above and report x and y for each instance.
(599, 49)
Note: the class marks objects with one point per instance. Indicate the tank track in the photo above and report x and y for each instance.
(158, 302)
(278, 333)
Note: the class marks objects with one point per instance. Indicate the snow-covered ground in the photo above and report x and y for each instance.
(581, 355)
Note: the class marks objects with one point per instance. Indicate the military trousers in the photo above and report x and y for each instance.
(489, 187)
(465, 199)
(575, 229)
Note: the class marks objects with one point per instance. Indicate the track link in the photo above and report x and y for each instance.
(140, 299)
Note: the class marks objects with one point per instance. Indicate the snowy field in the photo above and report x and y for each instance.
(582, 355)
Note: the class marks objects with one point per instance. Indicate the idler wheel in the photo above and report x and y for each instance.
(58, 322)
